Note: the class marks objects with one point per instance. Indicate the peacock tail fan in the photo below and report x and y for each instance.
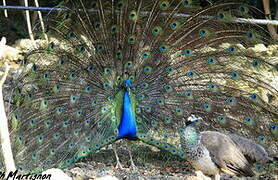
(138, 66)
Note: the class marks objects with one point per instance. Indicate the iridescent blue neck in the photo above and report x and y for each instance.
(127, 127)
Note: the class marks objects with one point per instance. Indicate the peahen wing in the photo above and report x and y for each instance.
(225, 153)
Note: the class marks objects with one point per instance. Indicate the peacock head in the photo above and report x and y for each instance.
(128, 83)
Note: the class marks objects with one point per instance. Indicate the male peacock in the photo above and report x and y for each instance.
(136, 69)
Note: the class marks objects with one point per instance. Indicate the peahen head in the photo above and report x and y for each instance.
(190, 137)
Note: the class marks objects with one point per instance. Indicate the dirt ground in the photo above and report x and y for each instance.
(152, 164)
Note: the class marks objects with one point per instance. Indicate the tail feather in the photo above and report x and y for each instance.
(68, 100)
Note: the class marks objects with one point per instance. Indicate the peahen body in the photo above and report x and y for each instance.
(213, 153)
(136, 69)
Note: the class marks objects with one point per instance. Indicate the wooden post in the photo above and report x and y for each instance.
(271, 28)
(4, 131)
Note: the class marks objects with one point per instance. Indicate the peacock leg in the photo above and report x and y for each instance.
(132, 165)
(118, 163)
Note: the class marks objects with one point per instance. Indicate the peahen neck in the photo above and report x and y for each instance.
(190, 139)
(127, 127)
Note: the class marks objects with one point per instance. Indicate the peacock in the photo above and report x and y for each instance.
(136, 70)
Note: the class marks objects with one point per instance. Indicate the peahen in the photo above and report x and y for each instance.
(136, 69)
(213, 153)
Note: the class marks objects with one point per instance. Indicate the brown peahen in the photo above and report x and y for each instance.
(213, 153)
(136, 70)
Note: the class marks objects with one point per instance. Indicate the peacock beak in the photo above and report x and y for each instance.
(128, 84)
